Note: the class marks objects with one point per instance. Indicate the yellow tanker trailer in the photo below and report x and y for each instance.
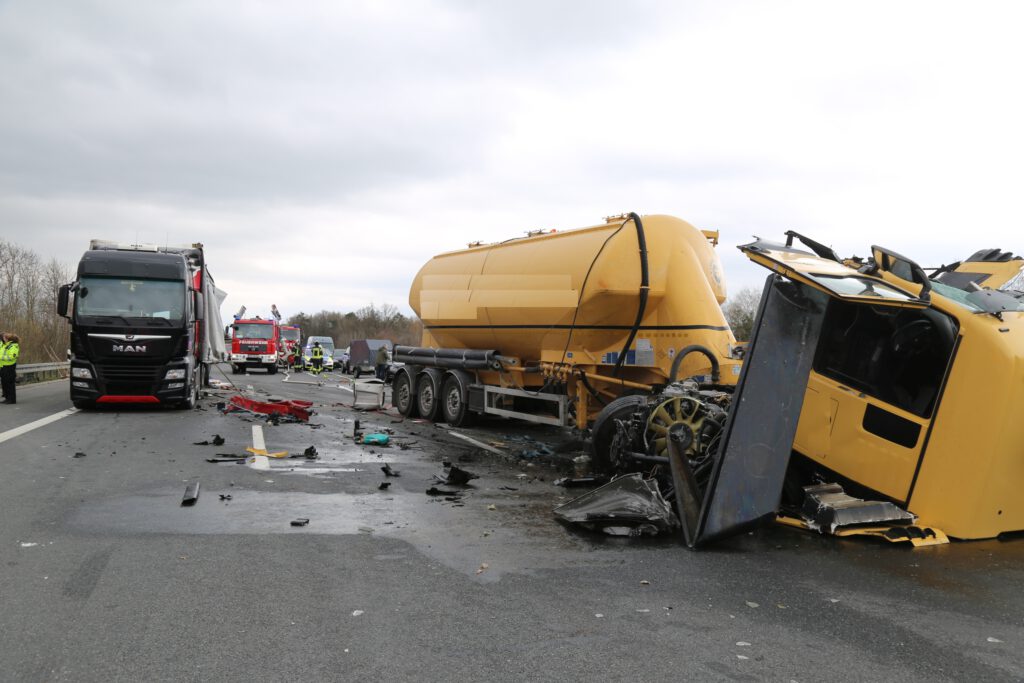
(552, 326)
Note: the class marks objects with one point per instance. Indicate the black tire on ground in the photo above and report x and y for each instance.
(428, 394)
(603, 431)
(236, 370)
(190, 402)
(403, 395)
(455, 402)
(271, 369)
(83, 405)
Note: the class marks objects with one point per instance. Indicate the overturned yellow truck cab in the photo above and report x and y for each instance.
(916, 387)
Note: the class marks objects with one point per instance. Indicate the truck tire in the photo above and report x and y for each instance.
(403, 395)
(358, 372)
(455, 401)
(83, 405)
(271, 369)
(193, 398)
(603, 431)
(235, 370)
(428, 393)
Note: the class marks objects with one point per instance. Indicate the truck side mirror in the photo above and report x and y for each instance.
(200, 308)
(63, 296)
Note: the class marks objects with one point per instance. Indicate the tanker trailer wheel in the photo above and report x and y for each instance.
(455, 402)
(403, 396)
(428, 394)
(601, 457)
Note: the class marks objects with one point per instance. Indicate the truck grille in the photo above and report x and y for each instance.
(129, 373)
(253, 347)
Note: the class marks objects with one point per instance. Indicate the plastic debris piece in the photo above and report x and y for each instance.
(492, 507)
(79, 454)
(384, 485)
(301, 521)
(191, 494)
(627, 506)
(358, 612)
(752, 605)
(993, 640)
(388, 472)
(743, 643)
(482, 568)
(225, 496)
(376, 440)
(29, 545)
(311, 453)
(599, 616)
(645, 582)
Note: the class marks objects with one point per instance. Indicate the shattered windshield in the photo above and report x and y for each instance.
(954, 294)
(130, 299)
(253, 331)
(983, 300)
(848, 285)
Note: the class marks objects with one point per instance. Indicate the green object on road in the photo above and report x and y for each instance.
(376, 439)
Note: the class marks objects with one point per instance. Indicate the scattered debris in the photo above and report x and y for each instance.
(990, 638)
(29, 545)
(217, 440)
(376, 440)
(302, 521)
(752, 605)
(388, 472)
(228, 458)
(357, 612)
(191, 494)
(79, 454)
(384, 485)
(455, 476)
(577, 482)
(627, 506)
(309, 454)
(299, 410)
(492, 507)
(482, 568)
(742, 643)
(507, 488)
(827, 508)
(225, 496)
(645, 582)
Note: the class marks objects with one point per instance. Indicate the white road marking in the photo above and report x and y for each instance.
(42, 422)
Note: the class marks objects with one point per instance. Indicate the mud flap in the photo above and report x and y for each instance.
(746, 484)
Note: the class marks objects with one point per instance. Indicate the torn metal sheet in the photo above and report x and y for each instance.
(750, 466)
(827, 507)
(629, 505)
(916, 535)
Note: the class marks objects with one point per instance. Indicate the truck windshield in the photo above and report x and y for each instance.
(253, 331)
(290, 335)
(127, 299)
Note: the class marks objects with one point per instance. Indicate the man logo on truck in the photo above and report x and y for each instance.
(128, 348)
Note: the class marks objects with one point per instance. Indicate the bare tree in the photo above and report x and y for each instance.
(28, 292)
(740, 310)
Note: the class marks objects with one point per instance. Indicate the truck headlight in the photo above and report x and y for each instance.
(178, 373)
(80, 385)
(81, 373)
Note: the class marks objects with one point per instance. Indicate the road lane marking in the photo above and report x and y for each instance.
(42, 422)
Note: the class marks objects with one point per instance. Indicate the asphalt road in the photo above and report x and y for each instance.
(107, 577)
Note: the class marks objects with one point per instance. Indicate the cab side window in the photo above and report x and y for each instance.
(898, 356)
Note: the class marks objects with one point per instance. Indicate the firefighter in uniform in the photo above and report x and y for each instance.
(9, 351)
(317, 358)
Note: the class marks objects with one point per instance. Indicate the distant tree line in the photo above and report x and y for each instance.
(368, 322)
(28, 295)
(740, 310)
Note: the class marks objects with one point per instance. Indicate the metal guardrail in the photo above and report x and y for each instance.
(35, 368)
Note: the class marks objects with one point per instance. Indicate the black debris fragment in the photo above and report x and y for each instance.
(434, 491)
(388, 472)
(191, 494)
(627, 506)
(217, 440)
(576, 482)
(233, 458)
(79, 454)
(301, 521)
(225, 496)
(507, 488)
(455, 476)
(384, 485)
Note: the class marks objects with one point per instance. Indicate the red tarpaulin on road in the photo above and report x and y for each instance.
(297, 409)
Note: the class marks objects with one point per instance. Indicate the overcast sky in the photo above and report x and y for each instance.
(324, 150)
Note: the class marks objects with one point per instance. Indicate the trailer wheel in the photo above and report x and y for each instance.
(402, 395)
(271, 369)
(236, 370)
(604, 430)
(84, 405)
(428, 394)
(455, 402)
